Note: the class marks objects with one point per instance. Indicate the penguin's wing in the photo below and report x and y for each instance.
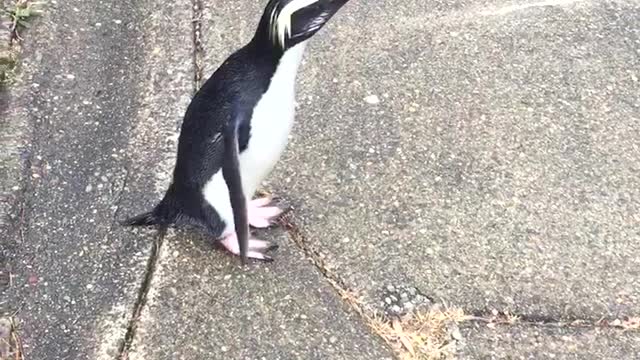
(231, 175)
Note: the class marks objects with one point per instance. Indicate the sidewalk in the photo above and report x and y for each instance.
(476, 162)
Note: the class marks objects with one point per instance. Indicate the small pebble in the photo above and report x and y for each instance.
(224, 349)
(413, 291)
(387, 300)
(404, 296)
(391, 288)
(88, 188)
(455, 332)
(372, 99)
(396, 309)
(333, 339)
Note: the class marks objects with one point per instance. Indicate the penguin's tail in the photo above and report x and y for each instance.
(146, 219)
(164, 214)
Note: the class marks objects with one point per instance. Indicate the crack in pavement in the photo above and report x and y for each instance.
(118, 198)
(198, 53)
(152, 262)
(501, 318)
(150, 269)
(496, 318)
(317, 259)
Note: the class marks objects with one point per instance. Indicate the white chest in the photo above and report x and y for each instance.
(271, 124)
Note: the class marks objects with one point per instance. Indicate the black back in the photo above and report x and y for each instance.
(235, 87)
(239, 83)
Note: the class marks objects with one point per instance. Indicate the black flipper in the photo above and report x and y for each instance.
(231, 175)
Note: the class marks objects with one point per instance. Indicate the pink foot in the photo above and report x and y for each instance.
(261, 215)
(257, 248)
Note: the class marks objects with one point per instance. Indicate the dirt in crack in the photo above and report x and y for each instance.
(142, 294)
(431, 334)
(198, 50)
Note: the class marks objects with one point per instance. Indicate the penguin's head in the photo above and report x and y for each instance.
(290, 22)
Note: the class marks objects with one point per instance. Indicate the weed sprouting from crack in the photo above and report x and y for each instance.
(422, 335)
(10, 343)
(419, 335)
(19, 16)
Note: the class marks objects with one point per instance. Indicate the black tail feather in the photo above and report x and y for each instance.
(146, 219)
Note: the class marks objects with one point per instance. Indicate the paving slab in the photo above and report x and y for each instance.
(486, 154)
(203, 305)
(547, 342)
(99, 97)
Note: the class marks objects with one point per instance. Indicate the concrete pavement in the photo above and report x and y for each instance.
(499, 169)
(547, 342)
(478, 154)
(89, 93)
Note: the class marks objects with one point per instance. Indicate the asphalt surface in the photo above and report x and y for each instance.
(481, 154)
(89, 94)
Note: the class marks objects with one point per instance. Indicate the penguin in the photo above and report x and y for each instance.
(235, 130)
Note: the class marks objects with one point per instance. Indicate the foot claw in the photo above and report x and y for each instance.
(255, 244)
(257, 248)
(259, 256)
(259, 202)
(261, 215)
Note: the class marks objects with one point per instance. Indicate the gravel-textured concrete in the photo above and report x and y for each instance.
(483, 152)
(94, 88)
(203, 305)
(487, 154)
(547, 342)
